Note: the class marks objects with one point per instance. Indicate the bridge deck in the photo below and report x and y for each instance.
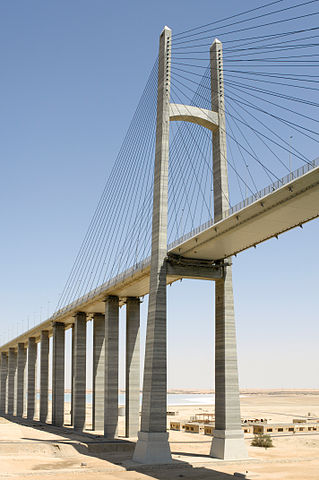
(274, 211)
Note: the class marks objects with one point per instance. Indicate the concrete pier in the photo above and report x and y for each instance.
(98, 371)
(32, 363)
(111, 374)
(228, 439)
(58, 374)
(132, 374)
(44, 375)
(79, 371)
(72, 373)
(3, 382)
(12, 371)
(21, 373)
(152, 445)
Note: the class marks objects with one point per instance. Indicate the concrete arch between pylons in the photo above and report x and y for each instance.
(189, 113)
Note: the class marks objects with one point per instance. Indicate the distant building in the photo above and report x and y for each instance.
(297, 427)
(204, 423)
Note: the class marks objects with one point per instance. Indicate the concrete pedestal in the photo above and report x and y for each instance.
(152, 448)
(229, 445)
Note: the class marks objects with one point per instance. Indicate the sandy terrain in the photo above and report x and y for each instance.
(32, 450)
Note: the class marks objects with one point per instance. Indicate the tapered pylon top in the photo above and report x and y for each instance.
(216, 41)
(167, 29)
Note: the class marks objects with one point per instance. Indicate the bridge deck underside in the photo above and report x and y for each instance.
(291, 205)
(285, 208)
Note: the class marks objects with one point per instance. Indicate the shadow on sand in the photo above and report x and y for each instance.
(119, 453)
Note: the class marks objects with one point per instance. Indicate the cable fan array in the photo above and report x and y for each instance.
(270, 87)
(271, 84)
(116, 235)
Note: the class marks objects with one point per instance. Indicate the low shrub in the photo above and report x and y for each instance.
(262, 440)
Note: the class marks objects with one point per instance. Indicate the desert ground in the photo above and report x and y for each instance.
(42, 452)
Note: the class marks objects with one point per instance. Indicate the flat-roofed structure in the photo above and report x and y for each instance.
(272, 428)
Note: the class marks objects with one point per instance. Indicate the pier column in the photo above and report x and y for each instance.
(3, 382)
(228, 440)
(152, 445)
(58, 374)
(132, 374)
(98, 371)
(44, 375)
(12, 371)
(22, 360)
(111, 375)
(79, 371)
(72, 375)
(32, 363)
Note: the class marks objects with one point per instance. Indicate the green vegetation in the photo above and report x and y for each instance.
(262, 440)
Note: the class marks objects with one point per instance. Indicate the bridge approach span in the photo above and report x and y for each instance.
(285, 207)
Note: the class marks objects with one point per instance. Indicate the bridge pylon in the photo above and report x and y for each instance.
(228, 442)
(152, 445)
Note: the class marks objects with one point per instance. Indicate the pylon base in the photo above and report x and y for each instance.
(229, 445)
(152, 448)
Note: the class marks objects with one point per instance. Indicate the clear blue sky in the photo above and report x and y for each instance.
(72, 73)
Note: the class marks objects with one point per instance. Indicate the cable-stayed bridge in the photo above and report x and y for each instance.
(156, 225)
(287, 204)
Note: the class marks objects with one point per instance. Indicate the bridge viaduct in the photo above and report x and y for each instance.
(205, 254)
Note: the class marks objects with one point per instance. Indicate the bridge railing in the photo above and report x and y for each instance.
(105, 286)
(249, 200)
(144, 263)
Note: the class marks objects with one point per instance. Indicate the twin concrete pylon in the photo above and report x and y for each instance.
(228, 441)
